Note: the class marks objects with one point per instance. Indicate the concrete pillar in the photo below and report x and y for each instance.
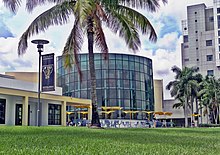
(63, 113)
(25, 111)
(90, 113)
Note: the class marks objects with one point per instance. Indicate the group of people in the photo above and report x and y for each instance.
(77, 122)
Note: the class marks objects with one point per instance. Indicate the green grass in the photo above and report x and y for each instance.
(72, 140)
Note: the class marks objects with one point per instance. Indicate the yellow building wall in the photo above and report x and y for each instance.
(158, 95)
(24, 76)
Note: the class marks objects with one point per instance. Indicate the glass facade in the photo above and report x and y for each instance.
(122, 80)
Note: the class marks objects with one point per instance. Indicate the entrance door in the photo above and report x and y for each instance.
(18, 114)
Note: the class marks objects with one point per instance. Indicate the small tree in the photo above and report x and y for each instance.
(182, 87)
(210, 96)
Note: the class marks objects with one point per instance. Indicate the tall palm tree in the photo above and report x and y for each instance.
(183, 87)
(210, 96)
(118, 15)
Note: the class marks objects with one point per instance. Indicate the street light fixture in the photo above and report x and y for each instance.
(40, 45)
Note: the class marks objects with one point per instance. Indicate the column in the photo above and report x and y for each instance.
(25, 111)
(90, 113)
(63, 113)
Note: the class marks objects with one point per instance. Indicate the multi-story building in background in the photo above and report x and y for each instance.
(201, 38)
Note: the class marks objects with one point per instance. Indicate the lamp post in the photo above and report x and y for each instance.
(40, 45)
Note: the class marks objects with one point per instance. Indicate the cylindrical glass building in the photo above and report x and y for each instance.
(123, 81)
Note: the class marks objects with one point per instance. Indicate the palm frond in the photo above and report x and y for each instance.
(57, 15)
(73, 46)
(150, 5)
(177, 71)
(171, 84)
(31, 4)
(83, 8)
(178, 105)
(100, 40)
(122, 25)
(101, 13)
(139, 20)
(12, 4)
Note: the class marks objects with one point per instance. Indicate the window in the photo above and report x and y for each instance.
(2, 111)
(219, 48)
(208, 42)
(218, 10)
(196, 39)
(197, 48)
(210, 72)
(197, 59)
(185, 46)
(195, 12)
(209, 57)
(54, 114)
(196, 31)
(186, 59)
(185, 39)
(218, 40)
(218, 32)
(195, 20)
(211, 19)
(185, 28)
(218, 20)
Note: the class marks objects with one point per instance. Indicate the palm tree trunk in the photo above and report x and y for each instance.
(95, 117)
(192, 111)
(185, 113)
(208, 113)
(197, 111)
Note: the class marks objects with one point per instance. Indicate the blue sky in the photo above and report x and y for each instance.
(165, 53)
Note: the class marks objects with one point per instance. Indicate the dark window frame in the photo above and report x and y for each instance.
(54, 114)
(185, 38)
(210, 72)
(218, 10)
(208, 42)
(218, 21)
(2, 110)
(209, 57)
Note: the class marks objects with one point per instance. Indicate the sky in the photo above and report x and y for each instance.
(165, 53)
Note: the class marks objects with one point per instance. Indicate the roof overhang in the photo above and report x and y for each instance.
(46, 96)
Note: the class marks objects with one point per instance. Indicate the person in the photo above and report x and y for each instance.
(164, 123)
(193, 124)
(69, 123)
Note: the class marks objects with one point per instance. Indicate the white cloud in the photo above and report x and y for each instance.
(163, 60)
(168, 40)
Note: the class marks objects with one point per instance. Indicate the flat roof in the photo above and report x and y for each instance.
(22, 93)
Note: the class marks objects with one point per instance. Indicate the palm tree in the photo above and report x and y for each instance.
(118, 15)
(183, 87)
(210, 96)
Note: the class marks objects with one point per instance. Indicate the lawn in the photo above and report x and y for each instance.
(78, 140)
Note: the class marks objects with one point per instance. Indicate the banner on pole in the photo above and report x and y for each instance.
(48, 75)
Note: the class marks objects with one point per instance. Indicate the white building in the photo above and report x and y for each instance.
(19, 100)
(201, 42)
